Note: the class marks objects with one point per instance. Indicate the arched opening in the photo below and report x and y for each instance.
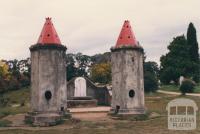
(48, 95)
(131, 93)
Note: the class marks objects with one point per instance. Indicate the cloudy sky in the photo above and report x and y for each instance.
(93, 26)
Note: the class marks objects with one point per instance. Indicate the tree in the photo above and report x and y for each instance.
(77, 65)
(83, 62)
(101, 58)
(101, 73)
(150, 76)
(193, 52)
(14, 74)
(71, 70)
(176, 62)
(4, 76)
(4, 71)
(152, 67)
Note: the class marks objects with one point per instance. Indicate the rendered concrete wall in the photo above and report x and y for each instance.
(127, 74)
(48, 73)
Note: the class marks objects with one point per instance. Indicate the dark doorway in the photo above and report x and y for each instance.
(117, 109)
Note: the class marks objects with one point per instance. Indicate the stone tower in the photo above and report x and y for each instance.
(48, 78)
(127, 74)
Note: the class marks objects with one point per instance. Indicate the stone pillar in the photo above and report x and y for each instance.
(48, 84)
(127, 80)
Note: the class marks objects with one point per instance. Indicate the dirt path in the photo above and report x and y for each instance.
(89, 110)
(17, 120)
(176, 93)
(91, 116)
(84, 114)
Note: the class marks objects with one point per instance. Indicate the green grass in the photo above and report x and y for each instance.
(5, 123)
(13, 110)
(155, 102)
(20, 98)
(175, 88)
(197, 88)
(172, 88)
(17, 97)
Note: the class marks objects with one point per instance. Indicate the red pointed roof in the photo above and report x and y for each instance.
(126, 36)
(48, 34)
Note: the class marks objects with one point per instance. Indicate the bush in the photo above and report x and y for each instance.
(150, 82)
(187, 86)
(13, 84)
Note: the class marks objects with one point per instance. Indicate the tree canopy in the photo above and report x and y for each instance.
(176, 62)
(101, 73)
(150, 76)
(182, 58)
(193, 52)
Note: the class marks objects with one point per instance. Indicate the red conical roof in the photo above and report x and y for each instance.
(48, 34)
(126, 36)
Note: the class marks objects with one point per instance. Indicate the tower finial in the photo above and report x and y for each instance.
(48, 34)
(126, 36)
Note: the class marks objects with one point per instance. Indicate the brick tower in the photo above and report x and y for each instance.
(48, 78)
(127, 74)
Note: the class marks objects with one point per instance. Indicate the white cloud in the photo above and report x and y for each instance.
(92, 26)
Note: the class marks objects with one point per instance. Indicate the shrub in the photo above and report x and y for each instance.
(13, 84)
(150, 82)
(187, 86)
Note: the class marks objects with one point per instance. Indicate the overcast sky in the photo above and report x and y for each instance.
(93, 26)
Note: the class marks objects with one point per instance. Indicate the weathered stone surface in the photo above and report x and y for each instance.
(48, 73)
(127, 81)
(48, 82)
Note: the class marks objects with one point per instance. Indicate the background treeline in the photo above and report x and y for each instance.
(14, 74)
(182, 59)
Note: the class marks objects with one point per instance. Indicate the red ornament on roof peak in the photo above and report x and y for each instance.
(126, 36)
(48, 34)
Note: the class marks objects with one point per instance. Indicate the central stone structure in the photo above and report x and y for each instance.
(127, 74)
(80, 98)
(48, 78)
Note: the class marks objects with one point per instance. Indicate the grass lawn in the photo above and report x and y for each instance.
(154, 102)
(15, 102)
(175, 88)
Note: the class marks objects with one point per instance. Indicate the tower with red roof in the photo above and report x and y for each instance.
(48, 77)
(127, 74)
